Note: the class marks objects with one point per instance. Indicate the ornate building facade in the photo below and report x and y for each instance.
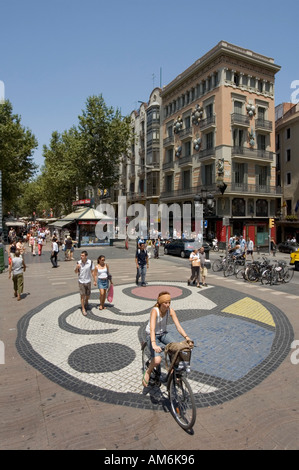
(210, 135)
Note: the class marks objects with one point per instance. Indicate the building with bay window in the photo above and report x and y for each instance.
(218, 126)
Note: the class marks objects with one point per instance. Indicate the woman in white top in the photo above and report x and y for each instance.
(156, 331)
(195, 265)
(100, 276)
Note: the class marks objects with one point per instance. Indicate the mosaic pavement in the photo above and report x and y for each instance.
(239, 341)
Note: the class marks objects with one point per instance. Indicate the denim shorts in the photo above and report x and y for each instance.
(102, 283)
(161, 340)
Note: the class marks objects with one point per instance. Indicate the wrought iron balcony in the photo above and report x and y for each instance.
(240, 119)
(263, 124)
(252, 153)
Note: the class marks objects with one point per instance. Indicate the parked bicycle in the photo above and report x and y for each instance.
(254, 270)
(219, 264)
(277, 272)
(233, 265)
(182, 402)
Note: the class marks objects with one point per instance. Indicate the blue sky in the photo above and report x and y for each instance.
(54, 54)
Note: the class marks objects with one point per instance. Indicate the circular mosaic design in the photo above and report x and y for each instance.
(152, 292)
(99, 358)
(239, 341)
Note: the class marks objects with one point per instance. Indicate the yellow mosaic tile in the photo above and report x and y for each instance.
(250, 308)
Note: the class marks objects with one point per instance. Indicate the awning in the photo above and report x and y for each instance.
(82, 214)
(15, 223)
(60, 223)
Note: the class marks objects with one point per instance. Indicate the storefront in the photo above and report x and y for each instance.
(82, 226)
(257, 231)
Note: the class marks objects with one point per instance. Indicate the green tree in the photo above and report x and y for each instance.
(63, 173)
(105, 136)
(17, 145)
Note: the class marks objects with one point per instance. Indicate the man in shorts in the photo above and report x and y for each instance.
(84, 270)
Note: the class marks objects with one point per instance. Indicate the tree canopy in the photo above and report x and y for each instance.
(17, 145)
(87, 155)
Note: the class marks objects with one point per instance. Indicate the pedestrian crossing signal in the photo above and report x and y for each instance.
(271, 223)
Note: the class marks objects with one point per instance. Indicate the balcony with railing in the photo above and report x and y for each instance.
(263, 125)
(168, 166)
(182, 193)
(204, 124)
(255, 154)
(185, 161)
(207, 152)
(185, 133)
(168, 141)
(240, 119)
(260, 189)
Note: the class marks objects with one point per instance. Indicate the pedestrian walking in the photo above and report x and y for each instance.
(12, 249)
(142, 264)
(250, 248)
(40, 243)
(21, 247)
(17, 267)
(68, 247)
(203, 269)
(195, 267)
(54, 252)
(101, 278)
(84, 269)
(32, 244)
(157, 246)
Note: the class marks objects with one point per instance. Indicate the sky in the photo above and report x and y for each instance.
(55, 54)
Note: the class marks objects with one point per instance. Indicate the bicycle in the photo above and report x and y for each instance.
(182, 402)
(279, 272)
(233, 265)
(254, 270)
(219, 264)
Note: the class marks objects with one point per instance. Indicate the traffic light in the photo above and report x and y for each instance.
(222, 187)
(271, 223)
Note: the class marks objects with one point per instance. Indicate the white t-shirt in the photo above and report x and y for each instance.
(85, 272)
(17, 265)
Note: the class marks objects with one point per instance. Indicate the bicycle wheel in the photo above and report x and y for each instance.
(252, 274)
(217, 265)
(228, 269)
(240, 273)
(266, 277)
(288, 275)
(182, 401)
